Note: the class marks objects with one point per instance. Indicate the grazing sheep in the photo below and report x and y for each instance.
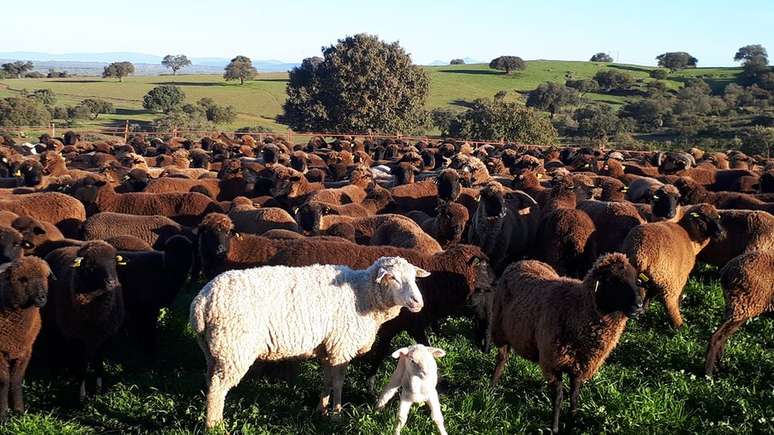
(565, 325)
(154, 230)
(694, 193)
(665, 252)
(85, 306)
(23, 290)
(64, 211)
(748, 290)
(416, 375)
(256, 314)
(747, 230)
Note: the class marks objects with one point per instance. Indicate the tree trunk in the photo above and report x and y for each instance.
(241, 80)
(174, 72)
(121, 79)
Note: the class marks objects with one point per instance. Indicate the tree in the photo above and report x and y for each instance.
(175, 62)
(583, 86)
(45, 96)
(508, 64)
(492, 120)
(602, 57)
(598, 122)
(758, 140)
(22, 112)
(118, 70)
(649, 113)
(551, 96)
(457, 62)
(240, 68)
(611, 79)
(676, 60)
(164, 98)
(360, 84)
(17, 69)
(659, 74)
(216, 113)
(97, 107)
(749, 51)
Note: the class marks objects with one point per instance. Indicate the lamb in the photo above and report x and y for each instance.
(23, 290)
(255, 220)
(665, 252)
(64, 211)
(565, 325)
(416, 375)
(748, 291)
(447, 227)
(748, 230)
(154, 230)
(255, 314)
(85, 306)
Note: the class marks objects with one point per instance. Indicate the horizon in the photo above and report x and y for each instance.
(711, 31)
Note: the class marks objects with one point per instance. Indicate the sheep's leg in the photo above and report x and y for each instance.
(557, 395)
(379, 352)
(718, 343)
(4, 384)
(672, 305)
(17, 377)
(502, 360)
(435, 413)
(338, 372)
(403, 412)
(220, 380)
(325, 395)
(392, 387)
(575, 387)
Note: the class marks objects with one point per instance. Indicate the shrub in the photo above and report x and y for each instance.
(457, 62)
(22, 111)
(610, 79)
(552, 96)
(598, 122)
(493, 120)
(96, 107)
(659, 74)
(758, 140)
(164, 98)
(676, 60)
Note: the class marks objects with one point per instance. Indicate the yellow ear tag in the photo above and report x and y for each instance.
(623, 167)
(625, 189)
(120, 260)
(539, 176)
(77, 262)
(17, 173)
(694, 215)
(643, 277)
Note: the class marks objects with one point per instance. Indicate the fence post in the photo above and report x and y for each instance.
(290, 136)
(52, 125)
(126, 131)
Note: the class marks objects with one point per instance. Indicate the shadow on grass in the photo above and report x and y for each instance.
(74, 81)
(462, 103)
(473, 71)
(181, 84)
(630, 68)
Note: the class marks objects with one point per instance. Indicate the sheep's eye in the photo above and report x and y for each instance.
(639, 282)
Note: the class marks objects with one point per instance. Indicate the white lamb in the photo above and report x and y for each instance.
(275, 313)
(416, 375)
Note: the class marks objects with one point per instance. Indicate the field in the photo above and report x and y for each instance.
(651, 384)
(258, 102)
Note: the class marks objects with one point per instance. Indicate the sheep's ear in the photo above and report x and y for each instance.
(422, 273)
(400, 352)
(383, 275)
(436, 352)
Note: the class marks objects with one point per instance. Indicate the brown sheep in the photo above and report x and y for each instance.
(403, 233)
(748, 291)
(36, 233)
(256, 220)
(613, 221)
(153, 230)
(64, 211)
(747, 230)
(563, 324)
(694, 193)
(126, 242)
(23, 290)
(447, 227)
(665, 252)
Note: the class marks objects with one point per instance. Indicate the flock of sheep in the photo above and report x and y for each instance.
(314, 250)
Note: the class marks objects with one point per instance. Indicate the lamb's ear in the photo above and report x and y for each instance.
(400, 352)
(382, 275)
(422, 273)
(436, 352)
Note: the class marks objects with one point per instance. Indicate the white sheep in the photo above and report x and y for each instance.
(277, 313)
(416, 375)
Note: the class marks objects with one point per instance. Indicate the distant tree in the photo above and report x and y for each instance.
(492, 120)
(676, 60)
(17, 69)
(442, 118)
(750, 51)
(611, 79)
(240, 68)
(656, 87)
(22, 112)
(758, 140)
(648, 113)
(34, 75)
(508, 64)
(583, 86)
(45, 96)
(118, 70)
(457, 62)
(501, 94)
(360, 84)
(164, 98)
(53, 74)
(602, 57)
(598, 122)
(552, 96)
(175, 62)
(97, 107)
(217, 114)
(659, 74)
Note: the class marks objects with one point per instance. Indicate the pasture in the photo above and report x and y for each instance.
(652, 383)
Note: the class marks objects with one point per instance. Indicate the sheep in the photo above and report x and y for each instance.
(185, 208)
(416, 376)
(256, 314)
(566, 325)
(23, 290)
(613, 221)
(255, 220)
(128, 243)
(748, 230)
(85, 306)
(447, 227)
(154, 230)
(312, 219)
(64, 211)
(694, 193)
(505, 224)
(404, 233)
(748, 291)
(35, 233)
(12, 245)
(665, 252)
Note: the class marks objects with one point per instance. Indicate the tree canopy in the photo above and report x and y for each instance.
(118, 70)
(500, 119)
(240, 68)
(17, 69)
(612, 79)
(164, 98)
(749, 51)
(175, 62)
(508, 64)
(457, 62)
(602, 57)
(676, 60)
(551, 96)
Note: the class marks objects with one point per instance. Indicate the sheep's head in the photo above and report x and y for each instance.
(34, 233)
(665, 201)
(298, 161)
(616, 285)
(135, 181)
(428, 158)
(31, 171)
(309, 216)
(286, 182)
(404, 173)
(11, 244)
(88, 189)
(214, 233)
(24, 283)
(690, 191)
(702, 222)
(419, 360)
(492, 202)
(448, 185)
(452, 218)
(94, 273)
(396, 281)
(199, 158)
(674, 162)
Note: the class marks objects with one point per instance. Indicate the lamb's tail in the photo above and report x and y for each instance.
(197, 316)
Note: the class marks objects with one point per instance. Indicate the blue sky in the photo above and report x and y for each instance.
(632, 31)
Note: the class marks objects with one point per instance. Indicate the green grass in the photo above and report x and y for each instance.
(652, 383)
(259, 102)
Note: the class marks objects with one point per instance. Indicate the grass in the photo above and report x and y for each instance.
(258, 102)
(652, 383)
